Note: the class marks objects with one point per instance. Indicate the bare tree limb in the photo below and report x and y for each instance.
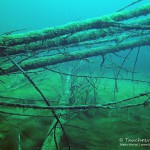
(78, 55)
(71, 28)
(103, 106)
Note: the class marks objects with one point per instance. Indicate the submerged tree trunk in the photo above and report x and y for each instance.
(75, 38)
(50, 142)
(96, 23)
(60, 58)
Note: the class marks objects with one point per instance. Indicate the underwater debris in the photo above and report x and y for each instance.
(72, 50)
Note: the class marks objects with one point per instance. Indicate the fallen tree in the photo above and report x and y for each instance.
(96, 23)
(64, 107)
(73, 33)
(54, 135)
(76, 38)
(35, 63)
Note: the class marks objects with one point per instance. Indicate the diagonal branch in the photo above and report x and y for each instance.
(44, 98)
(77, 55)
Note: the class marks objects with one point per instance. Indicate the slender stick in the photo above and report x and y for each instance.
(44, 98)
(87, 76)
(19, 141)
(103, 106)
(120, 67)
(135, 62)
(129, 5)
(77, 55)
(55, 140)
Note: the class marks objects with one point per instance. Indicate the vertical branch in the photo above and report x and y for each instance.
(19, 141)
(94, 85)
(135, 67)
(120, 67)
(103, 61)
(55, 140)
(135, 62)
(112, 64)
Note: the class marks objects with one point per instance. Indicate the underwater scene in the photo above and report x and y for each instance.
(74, 75)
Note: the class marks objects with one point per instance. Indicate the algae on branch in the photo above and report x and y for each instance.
(35, 63)
(53, 32)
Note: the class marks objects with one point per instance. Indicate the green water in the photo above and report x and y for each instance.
(93, 129)
(69, 80)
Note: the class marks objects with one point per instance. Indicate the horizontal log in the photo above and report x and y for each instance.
(63, 107)
(60, 58)
(74, 39)
(96, 23)
(57, 42)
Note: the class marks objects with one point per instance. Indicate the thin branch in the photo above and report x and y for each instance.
(127, 99)
(10, 32)
(87, 76)
(120, 67)
(49, 133)
(103, 60)
(129, 5)
(135, 62)
(44, 98)
(38, 116)
(103, 106)
(55, 140)
(25, 100)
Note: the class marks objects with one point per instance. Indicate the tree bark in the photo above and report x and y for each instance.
(49, 143)
(60, 58)
(96, 23)
(74, 39)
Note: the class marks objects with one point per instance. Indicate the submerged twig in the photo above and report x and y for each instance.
(88, 76)
(55, 140)
(120, 67)
(103, 106)
(44, 98)
(129, 5)
(135, 62)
